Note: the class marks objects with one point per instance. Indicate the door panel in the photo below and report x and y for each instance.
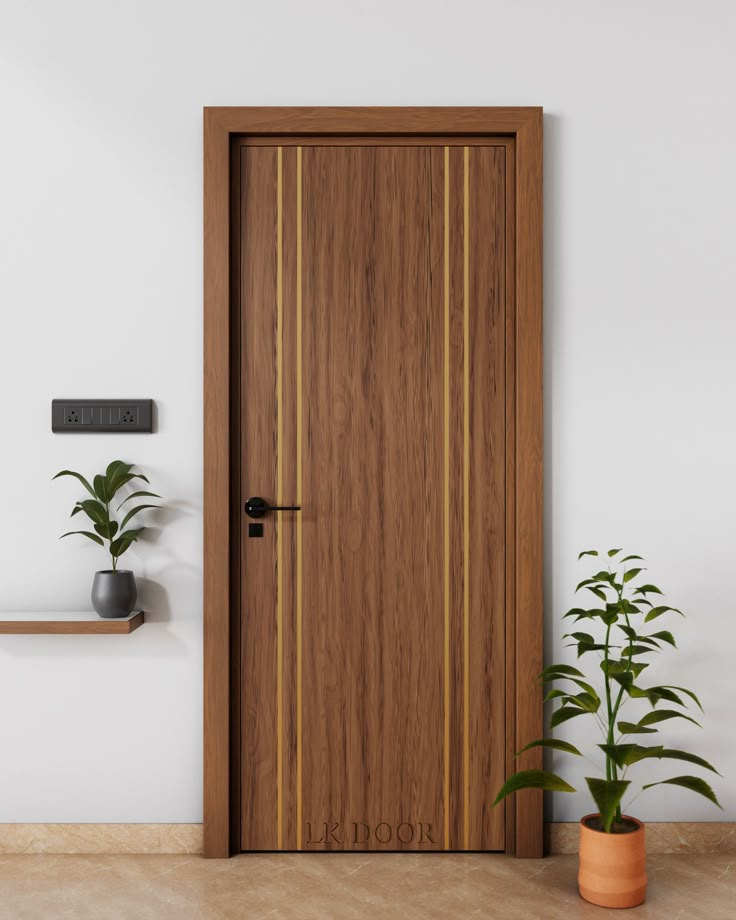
(373, 311)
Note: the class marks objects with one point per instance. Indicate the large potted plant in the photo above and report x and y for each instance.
(612, 869)
(114, 590)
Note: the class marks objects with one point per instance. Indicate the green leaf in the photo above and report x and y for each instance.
(134, 511)
(555, 671)
(648, 589)
(581, 614)
(626, 606)
(85, 533)
(564, 714)
(686, 692)
(138, 495)
(628, 631)
(599, 592)
(658, 611)
(630, 558)
(613, 552)
(107, 530)
(554, 743)
(661, 715)
(655, 694)
(533, 779)
(94, 510)
(584, 647)
(637, 650)
(624, 672)
(587, 687)
(631, 728)
(123, 476)
(649, 641)
(115, 473)
(78, 476)
(580, 636)
(119, 546)
(693, 783)
(587, 552)
(623, 755)
(631, 574)
(690, 758)
(555, 694)
(128, 477)
(626, 679)
(665, 635)
(568, 697)
(102, 488)
(587, 701)
(607, 795)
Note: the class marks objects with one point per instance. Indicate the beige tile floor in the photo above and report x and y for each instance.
(344, 886)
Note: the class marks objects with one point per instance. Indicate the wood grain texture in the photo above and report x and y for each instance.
(523, 517)
(381, 295)
(259, 636)
(372, 601)
(92, 625)
(529, 474)
(367, 140)
(457, 658)
(236, 505)
(486, 564)
(380, 120)
(510, 667)
(217, 476)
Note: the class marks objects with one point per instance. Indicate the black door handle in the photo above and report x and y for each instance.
(256, 507)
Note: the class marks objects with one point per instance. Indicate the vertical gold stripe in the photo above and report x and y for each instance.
(298, 498)
(466, 501)
(279, 500)
(447, 500)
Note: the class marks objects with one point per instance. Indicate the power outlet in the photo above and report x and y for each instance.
(87, 416)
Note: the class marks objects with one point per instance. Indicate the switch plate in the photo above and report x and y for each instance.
(88, 416)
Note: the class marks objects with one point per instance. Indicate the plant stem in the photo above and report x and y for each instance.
(621, 690)
(107, 513)
(610, 766)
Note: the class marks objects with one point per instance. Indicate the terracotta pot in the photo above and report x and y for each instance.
(612, 866)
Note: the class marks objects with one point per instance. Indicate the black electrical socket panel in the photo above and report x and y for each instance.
(89, 416)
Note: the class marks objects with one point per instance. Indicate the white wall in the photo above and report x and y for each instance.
(100, 293)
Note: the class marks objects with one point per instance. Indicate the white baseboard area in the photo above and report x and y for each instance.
(100, 838)
(699, 837)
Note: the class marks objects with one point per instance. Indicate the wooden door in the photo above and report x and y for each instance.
(371, 279)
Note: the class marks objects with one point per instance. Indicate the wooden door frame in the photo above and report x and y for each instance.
(524, 819)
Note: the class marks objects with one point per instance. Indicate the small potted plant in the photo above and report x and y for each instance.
(612, 871)
(113, 590)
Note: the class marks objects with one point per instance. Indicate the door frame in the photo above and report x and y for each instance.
(524, 817)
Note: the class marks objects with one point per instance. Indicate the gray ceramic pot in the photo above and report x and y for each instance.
(114, 593)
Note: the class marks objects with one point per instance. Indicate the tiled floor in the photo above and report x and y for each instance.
(322, 887)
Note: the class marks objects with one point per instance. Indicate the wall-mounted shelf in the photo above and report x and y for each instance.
(67, 624)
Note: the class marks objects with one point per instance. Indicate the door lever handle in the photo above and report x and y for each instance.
(256, 507)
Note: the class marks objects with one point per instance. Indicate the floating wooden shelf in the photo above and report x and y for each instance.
(67, 623)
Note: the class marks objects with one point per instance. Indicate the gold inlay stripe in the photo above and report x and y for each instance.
(279, 500)
(466, 500)
(446, 399)
(299, 498)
